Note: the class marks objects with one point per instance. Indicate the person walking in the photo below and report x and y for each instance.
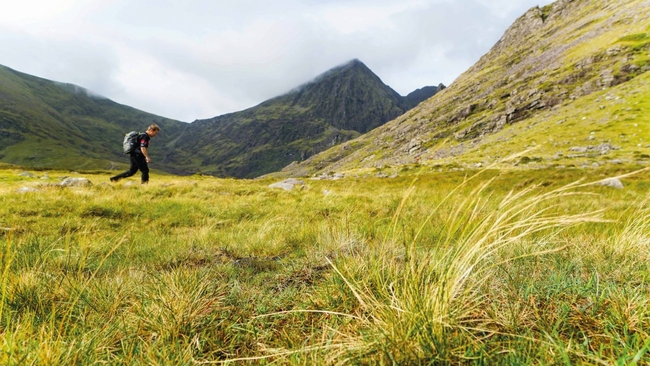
(140, 156)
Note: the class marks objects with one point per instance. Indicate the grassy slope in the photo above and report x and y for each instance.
(556, 63)
(617, 117)
(46, 124)
(181, 271)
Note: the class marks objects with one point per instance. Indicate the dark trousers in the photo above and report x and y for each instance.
(138, 162)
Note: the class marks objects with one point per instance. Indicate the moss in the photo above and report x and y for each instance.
(639, 37)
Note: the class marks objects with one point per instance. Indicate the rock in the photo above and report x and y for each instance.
(326, 176)
(28, 175)
(76, 182)
(613, 51)
(607, 78)
(26, 190)
(612, 182)
(414, 146)
(603, 149)
(45, 177)
(288, 184)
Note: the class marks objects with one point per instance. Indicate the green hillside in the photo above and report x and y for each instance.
(44, 124)
(566, 82)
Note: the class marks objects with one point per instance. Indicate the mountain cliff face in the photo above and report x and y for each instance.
(550, 59)
(337, 106)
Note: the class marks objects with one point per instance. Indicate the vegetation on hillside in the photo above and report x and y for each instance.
(44, 124)
(473, 267)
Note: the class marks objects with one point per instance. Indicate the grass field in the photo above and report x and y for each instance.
(473, 267)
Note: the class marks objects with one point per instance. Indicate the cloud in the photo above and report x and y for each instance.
(67, 60)
(199, 58)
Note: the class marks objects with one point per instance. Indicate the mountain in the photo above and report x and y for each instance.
(46, 124)
(339, 105)
(418, 96)
(565, 86)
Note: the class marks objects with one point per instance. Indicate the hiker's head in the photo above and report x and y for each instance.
(153, 130)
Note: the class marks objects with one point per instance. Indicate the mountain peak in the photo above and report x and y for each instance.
(354, 65)
(355, 62)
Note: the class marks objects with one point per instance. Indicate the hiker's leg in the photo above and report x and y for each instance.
(132, 170)
(144, 168)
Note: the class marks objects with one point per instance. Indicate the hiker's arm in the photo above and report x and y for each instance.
(146, 154)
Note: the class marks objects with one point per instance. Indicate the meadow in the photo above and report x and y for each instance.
(432, 267)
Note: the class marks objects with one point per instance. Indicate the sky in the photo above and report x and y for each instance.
(197, 59)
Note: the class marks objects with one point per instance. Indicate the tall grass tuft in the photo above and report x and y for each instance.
(426, 301)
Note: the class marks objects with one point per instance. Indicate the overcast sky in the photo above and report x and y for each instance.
(195, 59)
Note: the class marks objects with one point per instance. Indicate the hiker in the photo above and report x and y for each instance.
(140, 155)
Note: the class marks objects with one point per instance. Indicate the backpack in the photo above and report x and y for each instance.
(130, 142)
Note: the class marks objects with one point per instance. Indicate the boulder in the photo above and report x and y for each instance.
(26, 190)
(288, 184)
(612, 182)
(76, 182)
(28, 175)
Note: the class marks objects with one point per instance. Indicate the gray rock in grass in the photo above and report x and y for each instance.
(612, 182)
(28, 175)
(26, 190)
(288, 184)
(76, 182)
